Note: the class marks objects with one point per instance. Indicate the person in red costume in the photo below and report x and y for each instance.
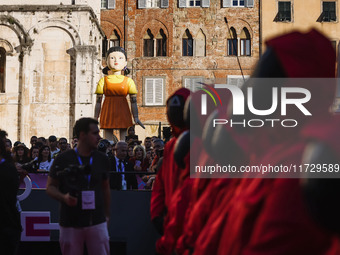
(269, 216)
(322, 189)
(168, 175)
(207, 194)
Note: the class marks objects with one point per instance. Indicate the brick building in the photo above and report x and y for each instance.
(177, 43)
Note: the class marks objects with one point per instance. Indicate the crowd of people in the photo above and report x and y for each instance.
(138, 157)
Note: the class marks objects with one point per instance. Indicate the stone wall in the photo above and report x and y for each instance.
(52, 65)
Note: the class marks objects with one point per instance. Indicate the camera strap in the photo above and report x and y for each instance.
(81, 163)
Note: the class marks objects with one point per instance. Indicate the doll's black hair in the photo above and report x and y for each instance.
(115, 49)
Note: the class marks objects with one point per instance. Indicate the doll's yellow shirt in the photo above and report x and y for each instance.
(116, 79)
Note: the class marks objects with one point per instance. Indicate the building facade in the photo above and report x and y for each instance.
(178, 43)
(279, 17)
(50, 62)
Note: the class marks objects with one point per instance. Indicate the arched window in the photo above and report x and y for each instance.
(245, 43)
(232, 42)
(114, 39)
(161, 44)
(148, 44)
(187, 44)
(200, 44)
(2, 69)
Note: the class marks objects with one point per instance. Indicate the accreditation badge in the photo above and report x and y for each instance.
(88, 200)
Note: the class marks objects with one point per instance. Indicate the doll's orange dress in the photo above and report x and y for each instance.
(115, 112)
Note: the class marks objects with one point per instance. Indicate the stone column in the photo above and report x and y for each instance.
(84, 78)
(23, 97)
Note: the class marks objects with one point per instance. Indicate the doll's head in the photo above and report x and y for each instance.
(116, 60)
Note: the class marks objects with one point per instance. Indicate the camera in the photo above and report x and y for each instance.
(103, 145)
(31, 166)
(73, 177)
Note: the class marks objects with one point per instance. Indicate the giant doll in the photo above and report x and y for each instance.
(115, 112)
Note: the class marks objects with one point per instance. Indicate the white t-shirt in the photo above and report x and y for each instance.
(45, 165)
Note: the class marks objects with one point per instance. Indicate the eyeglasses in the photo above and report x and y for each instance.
(62, 142)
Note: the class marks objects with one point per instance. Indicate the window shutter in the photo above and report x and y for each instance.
(164, 3)
(182, 3)
(226, 3)
(196, 82)
(248, 53)
(193, 84)
(249, 3)
(141, 4)
(187, 83)
(149, 92)
(158, 91)
(111, 4)
(205, 3)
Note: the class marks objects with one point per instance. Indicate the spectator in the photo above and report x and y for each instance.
(110, 149)
(52, 142)
(44, 159)
(147, 143)
(42, 140)
(158, 148)
(120, 164)
(149, 155)
(34, 152)
(20, 154)
(8, 145)
(113, 149)
(153, 138)
(16, 143)
(140, 163)
(10, 227)
(39, 144)
(83, 221)
(130, 151)
(131, 135)
(139, 159)
(33, 140)
(74, 142)
(63, 146)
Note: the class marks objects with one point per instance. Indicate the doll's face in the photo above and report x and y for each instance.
(116, 61)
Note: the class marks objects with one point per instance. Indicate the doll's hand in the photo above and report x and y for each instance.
(137, 121)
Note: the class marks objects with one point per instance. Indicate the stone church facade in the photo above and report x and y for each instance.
(50, 63)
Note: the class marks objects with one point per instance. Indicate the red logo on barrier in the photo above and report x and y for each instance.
(30, 231)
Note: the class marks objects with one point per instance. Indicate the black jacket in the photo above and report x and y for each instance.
(116, 179)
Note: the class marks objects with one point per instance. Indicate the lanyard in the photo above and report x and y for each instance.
(81, 163)
(120, 162)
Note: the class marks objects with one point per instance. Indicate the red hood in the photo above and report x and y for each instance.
(301, 57)
(185, 93)
(309, 55)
